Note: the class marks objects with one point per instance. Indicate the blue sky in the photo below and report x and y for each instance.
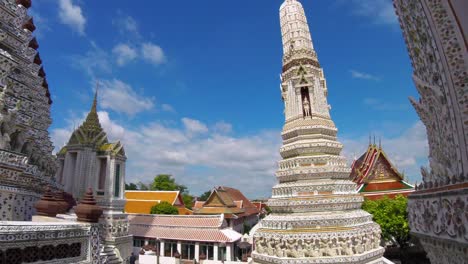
(192, 87)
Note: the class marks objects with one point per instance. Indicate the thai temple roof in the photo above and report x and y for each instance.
(91, 133)
(376, 176)
(228, 201)
(206, 228)
(140, 202)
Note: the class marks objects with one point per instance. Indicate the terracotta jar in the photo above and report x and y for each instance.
(47, 206)
(87, 210)
(70, 200)
(62, 205)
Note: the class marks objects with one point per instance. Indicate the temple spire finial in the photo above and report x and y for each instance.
(380, 143)
(94, 107)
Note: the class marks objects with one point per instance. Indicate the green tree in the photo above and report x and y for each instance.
(131, 186)
(142, 186)
(165, 182)
(204, 196)
(164, 208)
(391, 215)
(188, 200)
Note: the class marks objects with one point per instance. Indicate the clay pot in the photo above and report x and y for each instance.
(87, 210)
(47, 206)
(70, 200)
(61, 203)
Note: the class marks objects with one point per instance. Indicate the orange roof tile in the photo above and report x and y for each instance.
(168, 196)
(140, 202)
(198, 204)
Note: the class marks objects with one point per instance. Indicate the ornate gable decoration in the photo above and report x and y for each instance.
(114, 149)
(90, 132)
(374, 165)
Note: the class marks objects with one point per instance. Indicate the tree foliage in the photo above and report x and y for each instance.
(188, 200)
(165, 182)
(164, 208)
(204, 196)
(391, 215)
(131, 187)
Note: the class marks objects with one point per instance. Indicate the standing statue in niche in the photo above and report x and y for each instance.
(7, 121)
(306, 106)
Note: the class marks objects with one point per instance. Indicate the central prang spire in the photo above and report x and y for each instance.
(294, 28)
(316, 210)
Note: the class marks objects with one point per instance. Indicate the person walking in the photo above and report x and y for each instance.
(132, 259)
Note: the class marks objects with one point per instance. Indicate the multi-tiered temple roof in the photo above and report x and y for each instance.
(376, 176)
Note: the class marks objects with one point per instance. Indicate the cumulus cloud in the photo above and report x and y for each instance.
(126, 24)
(94, 61)
(122, 98)
(72, 15)
(407, 152)
(124, 54)
(153, 53)
(193, 126)
(167, 108)
(363, 75)
(247, 163)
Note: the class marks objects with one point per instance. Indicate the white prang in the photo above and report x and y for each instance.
(316, 215)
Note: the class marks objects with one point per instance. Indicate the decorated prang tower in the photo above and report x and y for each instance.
(316, 211)
(27, 166)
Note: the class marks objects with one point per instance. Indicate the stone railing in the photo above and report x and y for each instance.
(50, 242)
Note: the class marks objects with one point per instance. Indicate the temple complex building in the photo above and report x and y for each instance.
(90, 160)
(26, 162)
(140, 202)
(376, 176)
(316, 211)
(435, 33)
(239, 212)
(188, 237)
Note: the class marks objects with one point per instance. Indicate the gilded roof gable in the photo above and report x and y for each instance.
(374, 165)
(91, 131)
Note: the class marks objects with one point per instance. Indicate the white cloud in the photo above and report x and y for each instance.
(247, 163)
(120, 97)
(126, 23)
(124, 54)
(167, 108)
(363, 75)
(407, 152)
(94, 61)
(153, 53)
(379, 11)
(72, 16)
(193, 126)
